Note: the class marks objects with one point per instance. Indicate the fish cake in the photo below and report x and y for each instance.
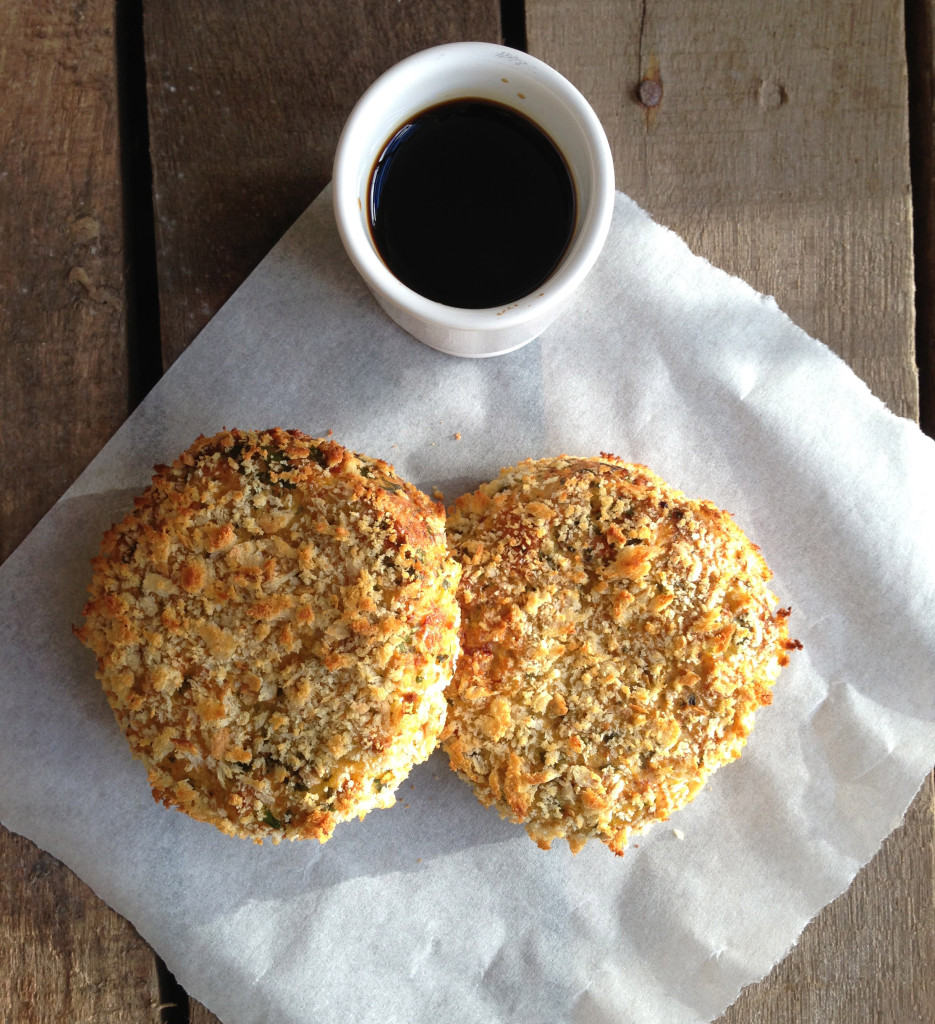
(275, 623)
(617, 639)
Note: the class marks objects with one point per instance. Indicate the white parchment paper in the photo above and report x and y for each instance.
(437, 909)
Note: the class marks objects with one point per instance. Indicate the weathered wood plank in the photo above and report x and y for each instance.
(64, 955)
(199, 1015)
(62, 317)
(246, 103)
(779, 151)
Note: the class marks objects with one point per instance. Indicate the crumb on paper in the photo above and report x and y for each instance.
(457, 435)
(678, 833)
(437, 494)
(330, 432)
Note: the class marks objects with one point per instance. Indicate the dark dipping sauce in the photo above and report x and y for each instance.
(471, 204)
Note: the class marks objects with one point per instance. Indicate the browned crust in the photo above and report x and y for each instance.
(617, 639)
(274, 624)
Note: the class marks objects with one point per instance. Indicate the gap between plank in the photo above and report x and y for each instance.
(141, 290)
(919, 57)
(173, 1000)
(513, 23)
(141, 287)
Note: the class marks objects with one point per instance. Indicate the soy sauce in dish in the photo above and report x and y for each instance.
(471, 204)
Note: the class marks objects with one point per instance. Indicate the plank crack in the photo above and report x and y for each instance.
(639, 48)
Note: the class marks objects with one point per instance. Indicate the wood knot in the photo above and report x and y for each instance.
(772, 95)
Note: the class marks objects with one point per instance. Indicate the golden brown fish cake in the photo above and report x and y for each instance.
(617, 639)
(275, 623)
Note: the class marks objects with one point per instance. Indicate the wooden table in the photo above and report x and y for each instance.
(153, 151)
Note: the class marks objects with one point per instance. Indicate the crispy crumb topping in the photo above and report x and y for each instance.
(274, 624)
(617, 639)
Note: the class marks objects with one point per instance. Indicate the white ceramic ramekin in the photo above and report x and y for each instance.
(480, 71)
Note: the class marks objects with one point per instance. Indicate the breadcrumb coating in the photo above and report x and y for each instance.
(275, 623)
(617, 639)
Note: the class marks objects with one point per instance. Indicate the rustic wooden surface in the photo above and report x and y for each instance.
(64, 955)
(241, 146)
(779, 149)
(62, 316)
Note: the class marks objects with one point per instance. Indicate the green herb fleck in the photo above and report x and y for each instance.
(277, 462)
(271, 819)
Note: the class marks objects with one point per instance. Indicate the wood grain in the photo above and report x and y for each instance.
(62, 316)
(199, 1015)
(64, 955)
(779, 151)
(247, 100)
